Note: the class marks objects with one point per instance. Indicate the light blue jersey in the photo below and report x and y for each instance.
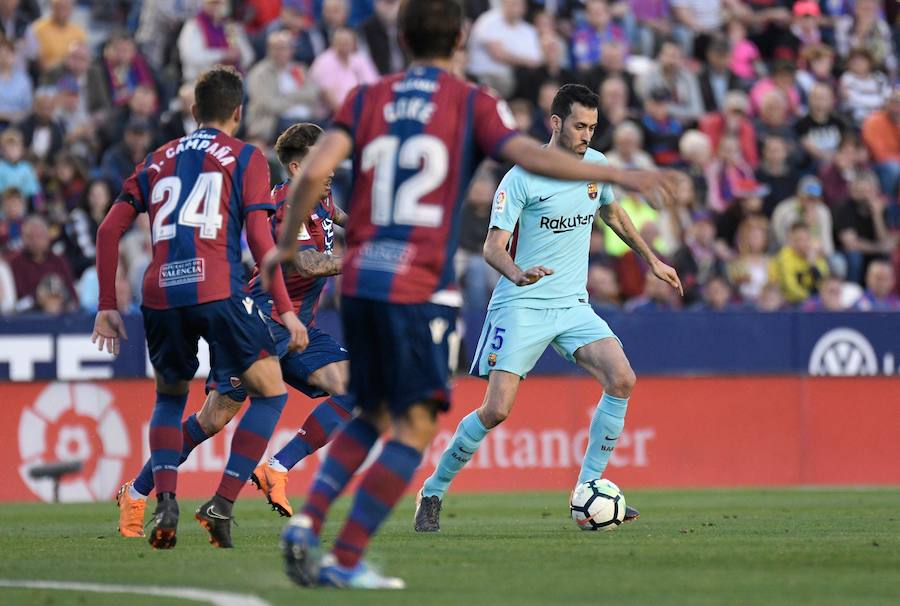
(551, 221)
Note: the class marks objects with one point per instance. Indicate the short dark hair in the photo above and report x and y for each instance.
(573, 93)
(218, 92)
(431, 28)
(294, 143)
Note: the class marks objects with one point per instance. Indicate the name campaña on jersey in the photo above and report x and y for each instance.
(560, 225)
(201, 142)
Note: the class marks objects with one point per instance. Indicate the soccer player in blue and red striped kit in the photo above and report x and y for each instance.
(416, 138)
(321, 369)
(200, 191)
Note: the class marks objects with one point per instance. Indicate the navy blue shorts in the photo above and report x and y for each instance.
(234, 329)
(296, 366)
(399, 354)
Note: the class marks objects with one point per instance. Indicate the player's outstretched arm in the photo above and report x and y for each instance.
(657, 186)
(108, 325)
(498, 257)
(619, 221)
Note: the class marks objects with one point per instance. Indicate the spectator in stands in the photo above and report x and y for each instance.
(849, 159)
(716, 78)
(747, 202)
(626, 151)
(729, 175)
(178, 121)
(55, 32)
(799, 266)
(257, 14)
(776, 173)
(500, 41)
(685, 102)
(13, 209)
(746, 61)
(749, 270)
(829, 297)
(879, 294)
(80, 232)
(612, 65)
(699, 18)
(806, 207)
(657, 296)
(613, 112)
(120, 159)
(65, 186)
(817, 67)
(771, 298)
(541, 128)
(159, 24)
(340, 68)
(881, 134)
(15, 170)
(775, 120)
(603, 289)
(143, 105)
(43, 133)
(77, 123)
(866, 29)
(717, 296)
(698, 258)
(114, 77)
(733, 121)
(211, 38)
(860, 225)
(477, 277)
(782, 79)
(591, 35)
(696, 151)
(77, 66)
(35, 262)
(15, 87)
(14, 24)
(654, 22)
(661, 130)
(863, 89)
(821, 130)
(51, 297)
(530, 79)
(7, 289)
(280, 91)
(379, 34)
(313, 39)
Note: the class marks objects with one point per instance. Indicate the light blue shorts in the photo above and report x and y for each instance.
(513, 338)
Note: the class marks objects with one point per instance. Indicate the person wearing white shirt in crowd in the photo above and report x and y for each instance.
(212, 38)
(500, 41)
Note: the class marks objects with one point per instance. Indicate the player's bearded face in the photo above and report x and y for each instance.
(577, 129)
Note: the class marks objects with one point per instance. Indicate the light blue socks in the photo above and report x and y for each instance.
(606, 426)
(468, 437)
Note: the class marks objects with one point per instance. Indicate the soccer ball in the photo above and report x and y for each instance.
(597, 505)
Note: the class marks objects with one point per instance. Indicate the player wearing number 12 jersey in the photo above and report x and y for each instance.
(416, 138)
(199, 192)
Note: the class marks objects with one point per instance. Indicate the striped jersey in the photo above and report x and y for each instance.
(418, 137)
(197, 191)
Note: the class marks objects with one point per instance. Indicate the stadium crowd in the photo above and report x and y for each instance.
(785, 115)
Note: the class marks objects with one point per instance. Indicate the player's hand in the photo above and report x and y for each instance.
(299, 337)
(658, 188)
(273, 259)
(530, 276)
(667, 275)
(108, 328)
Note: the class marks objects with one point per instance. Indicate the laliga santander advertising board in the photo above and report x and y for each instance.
(680, 432)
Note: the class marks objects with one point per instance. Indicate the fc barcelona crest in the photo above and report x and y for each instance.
(592, 191)
(492, 359)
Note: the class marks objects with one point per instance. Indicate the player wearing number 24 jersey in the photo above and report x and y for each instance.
(416, 139)
(199, 192)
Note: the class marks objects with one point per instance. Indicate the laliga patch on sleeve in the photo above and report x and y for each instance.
(500, 201)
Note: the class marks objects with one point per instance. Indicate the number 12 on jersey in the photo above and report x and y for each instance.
(425, 154)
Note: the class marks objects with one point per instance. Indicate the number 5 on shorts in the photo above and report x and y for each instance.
(497, 339)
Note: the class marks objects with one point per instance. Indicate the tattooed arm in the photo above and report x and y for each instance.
(313, 264)
(340, 217)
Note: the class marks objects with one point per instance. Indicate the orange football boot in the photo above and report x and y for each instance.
(273, 484)
(131, 513)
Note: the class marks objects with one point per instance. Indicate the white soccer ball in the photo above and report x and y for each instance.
(597, 505)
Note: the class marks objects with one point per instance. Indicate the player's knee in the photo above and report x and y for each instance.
(492, 414)
(621, 383)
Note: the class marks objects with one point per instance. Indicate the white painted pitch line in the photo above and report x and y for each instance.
(216, 598)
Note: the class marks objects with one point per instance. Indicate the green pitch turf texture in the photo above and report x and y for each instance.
(803, 546)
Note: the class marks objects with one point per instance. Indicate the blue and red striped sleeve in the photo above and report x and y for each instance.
(256, 194)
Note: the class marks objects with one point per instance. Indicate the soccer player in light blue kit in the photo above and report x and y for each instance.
(545, 225)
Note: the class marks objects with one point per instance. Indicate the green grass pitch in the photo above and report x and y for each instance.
(800, 546)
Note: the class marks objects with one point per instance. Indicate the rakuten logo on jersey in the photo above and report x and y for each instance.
(560, 225)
